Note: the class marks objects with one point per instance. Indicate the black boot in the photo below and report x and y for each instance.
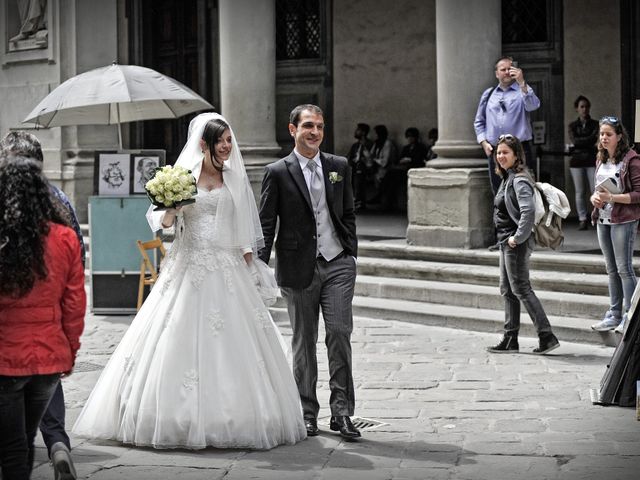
(508, 344)
(548, 342)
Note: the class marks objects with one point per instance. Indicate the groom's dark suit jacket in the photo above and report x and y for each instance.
(285, 196)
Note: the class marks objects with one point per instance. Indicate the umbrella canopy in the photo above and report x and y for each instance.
(113, 95)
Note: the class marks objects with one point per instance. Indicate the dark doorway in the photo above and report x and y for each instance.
(630, 43)
(303, 64)
(532, 35)
(178, 39)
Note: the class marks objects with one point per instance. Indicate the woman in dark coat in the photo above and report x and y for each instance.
(583, 133)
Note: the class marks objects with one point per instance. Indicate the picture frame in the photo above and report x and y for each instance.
(143, 167)
(112, 173)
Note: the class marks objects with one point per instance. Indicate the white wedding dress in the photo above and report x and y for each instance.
(202, 363)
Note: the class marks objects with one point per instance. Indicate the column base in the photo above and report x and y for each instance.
(256, 157)
(450, 208)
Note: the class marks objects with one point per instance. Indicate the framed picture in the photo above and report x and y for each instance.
(143, 168)
(112, 173)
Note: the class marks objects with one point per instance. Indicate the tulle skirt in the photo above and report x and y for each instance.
(202, 364)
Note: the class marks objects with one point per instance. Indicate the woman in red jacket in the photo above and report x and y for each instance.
(42, 307)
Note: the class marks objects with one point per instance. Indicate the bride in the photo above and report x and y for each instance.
(202, 363)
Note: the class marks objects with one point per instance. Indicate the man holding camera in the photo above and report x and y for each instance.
(505, 109)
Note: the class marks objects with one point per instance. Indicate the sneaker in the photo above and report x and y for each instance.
(620, 327)
(583, 225)
(62, 464)
(508, 344)
(547, 343)
(606, 324)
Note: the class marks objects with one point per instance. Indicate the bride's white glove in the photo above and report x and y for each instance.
(264, 281)
(255, 275)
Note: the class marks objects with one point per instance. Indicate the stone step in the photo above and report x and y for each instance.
(558, 281)
(569, 329)
(540, 260)
(590, 307)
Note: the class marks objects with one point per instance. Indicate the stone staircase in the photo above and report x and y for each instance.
(459, 289)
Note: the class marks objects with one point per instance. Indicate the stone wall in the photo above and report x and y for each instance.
(82, 35)
(591, 64)
(592, 57)
(384, 61)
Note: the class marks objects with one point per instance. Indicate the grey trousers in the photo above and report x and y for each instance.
(515, 287)
(332, 289)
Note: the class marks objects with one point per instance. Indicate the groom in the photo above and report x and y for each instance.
(310, 193)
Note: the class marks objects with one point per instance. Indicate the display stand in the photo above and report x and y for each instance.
(115, 223)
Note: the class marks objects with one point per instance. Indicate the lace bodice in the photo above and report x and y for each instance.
(199, 218)
(195, 247)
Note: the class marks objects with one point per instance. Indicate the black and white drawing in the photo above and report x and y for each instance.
(114, 173)
(144, 167)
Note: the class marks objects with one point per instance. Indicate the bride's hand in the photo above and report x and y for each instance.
(169, 216)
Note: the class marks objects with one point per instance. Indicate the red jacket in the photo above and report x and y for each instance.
(40, 332)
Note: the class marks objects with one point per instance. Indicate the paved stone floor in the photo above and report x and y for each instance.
(451, 411)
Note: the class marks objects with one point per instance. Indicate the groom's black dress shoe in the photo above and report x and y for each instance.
(312, 426)
(343, 425)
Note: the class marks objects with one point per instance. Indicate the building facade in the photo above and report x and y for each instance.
(408, 63)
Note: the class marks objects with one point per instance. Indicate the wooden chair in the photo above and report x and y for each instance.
(148, 272)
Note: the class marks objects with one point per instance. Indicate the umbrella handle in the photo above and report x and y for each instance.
(119, 125)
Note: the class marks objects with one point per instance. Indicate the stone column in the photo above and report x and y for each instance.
(248, 80)
(450, 203)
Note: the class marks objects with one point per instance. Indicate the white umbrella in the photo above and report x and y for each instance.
(113, 95)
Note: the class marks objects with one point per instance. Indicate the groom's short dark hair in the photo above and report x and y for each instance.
(294, 118)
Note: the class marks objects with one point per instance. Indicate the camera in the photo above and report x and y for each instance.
(514, 64)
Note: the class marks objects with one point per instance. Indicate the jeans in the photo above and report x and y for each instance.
(52, 424)
(23, 400)
(581, 178)
(616, 243)
(515, 287)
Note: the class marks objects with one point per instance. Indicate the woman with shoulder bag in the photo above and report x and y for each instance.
(513, 216)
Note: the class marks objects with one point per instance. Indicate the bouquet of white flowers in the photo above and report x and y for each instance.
(171, 187)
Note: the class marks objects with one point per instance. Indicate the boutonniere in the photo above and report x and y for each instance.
(335, 177)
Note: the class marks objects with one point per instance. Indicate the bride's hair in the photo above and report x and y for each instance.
(213, 130)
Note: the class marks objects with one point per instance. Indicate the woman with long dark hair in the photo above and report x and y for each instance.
(42, 306)
(513, 216)
(616, 215)
(202, 363)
